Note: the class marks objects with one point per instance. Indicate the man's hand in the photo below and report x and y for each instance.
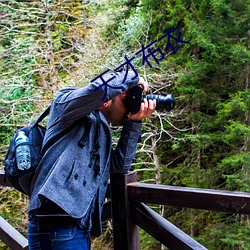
(147, 108)
(144, 84)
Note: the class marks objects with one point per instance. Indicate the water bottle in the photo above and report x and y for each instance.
(23, 156)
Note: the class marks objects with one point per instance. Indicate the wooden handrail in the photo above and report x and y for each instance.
(134, 194)
(161, 229)
(208, 199)
(129, 212)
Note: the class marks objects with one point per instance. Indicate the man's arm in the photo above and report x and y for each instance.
(124, 153)
(74, 104)
(125, 150)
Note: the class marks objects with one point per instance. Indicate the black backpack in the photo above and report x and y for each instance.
(21, 179)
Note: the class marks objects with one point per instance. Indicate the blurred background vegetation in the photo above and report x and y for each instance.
(204, 142)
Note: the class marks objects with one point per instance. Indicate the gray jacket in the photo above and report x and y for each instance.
(66, 174)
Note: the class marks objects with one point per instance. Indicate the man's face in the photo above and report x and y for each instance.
(117, 110)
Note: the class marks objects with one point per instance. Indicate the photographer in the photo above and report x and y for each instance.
(69, 187)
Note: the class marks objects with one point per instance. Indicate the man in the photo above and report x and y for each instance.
(69, 186)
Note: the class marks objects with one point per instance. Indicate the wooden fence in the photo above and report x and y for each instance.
(130, 213)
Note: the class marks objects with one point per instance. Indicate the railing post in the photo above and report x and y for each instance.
(125, 231)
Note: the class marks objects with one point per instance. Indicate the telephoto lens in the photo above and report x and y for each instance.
(135, 98)
(162, 102)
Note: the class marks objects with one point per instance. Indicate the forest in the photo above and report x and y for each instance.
(196, 50)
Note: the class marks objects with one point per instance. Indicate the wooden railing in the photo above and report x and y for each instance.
(129, 212)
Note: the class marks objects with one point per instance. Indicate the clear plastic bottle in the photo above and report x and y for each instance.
(23, 156)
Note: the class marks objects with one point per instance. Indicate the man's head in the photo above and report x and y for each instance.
(115, 110)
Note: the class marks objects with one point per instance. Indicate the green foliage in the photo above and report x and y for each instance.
(14, 208)
(203, 143)
(41, 49)
(148, 242)
(223, 235)
(210, 148)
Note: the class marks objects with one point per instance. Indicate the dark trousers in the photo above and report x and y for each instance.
(45, 237)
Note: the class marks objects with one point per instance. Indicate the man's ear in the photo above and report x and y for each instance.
(105, 105)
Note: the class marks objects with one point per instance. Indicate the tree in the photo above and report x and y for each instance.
(42, 48)
(211, 148)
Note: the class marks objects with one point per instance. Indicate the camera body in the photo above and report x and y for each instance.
(135, 97)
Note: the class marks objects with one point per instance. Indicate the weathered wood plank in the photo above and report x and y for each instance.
(208, 199)
(11, 237)
(161, 229)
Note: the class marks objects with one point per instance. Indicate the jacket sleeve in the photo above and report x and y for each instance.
(71, 104)
(124, 153)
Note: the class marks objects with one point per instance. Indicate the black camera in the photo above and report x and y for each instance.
(135, 98)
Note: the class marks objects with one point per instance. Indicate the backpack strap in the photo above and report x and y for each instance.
(43, 115)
